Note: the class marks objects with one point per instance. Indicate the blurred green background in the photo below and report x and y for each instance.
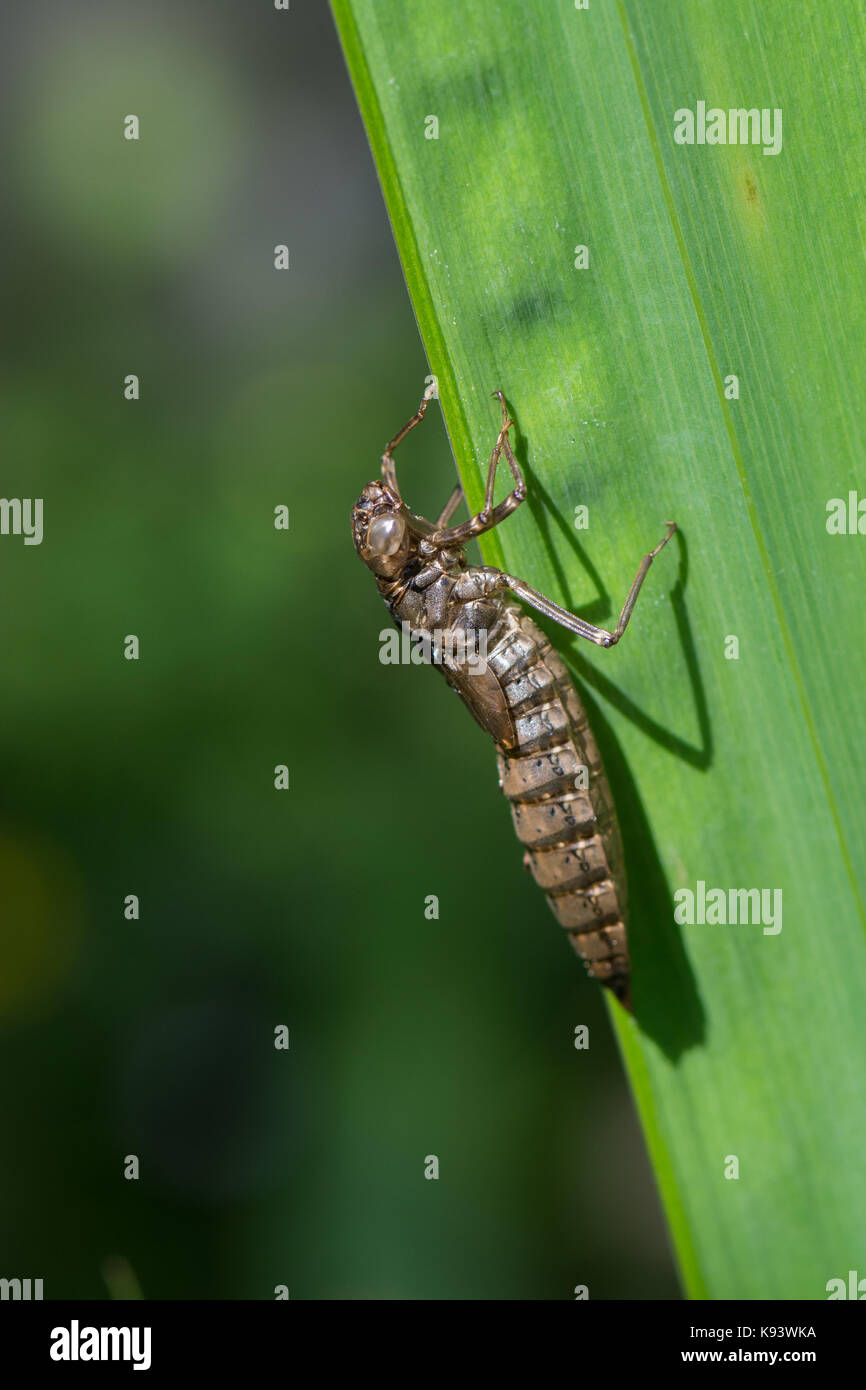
(258, 647)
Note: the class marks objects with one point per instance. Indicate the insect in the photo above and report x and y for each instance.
(521, 692)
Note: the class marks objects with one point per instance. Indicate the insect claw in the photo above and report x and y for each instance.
(671, 528)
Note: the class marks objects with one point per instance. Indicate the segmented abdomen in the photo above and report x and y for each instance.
(563, 814)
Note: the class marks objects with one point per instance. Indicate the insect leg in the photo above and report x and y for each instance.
(490, 516)
(503, 444)
(388, 471)
(599, 635)
(450, 507)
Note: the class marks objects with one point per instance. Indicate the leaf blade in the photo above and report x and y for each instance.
(639, 347)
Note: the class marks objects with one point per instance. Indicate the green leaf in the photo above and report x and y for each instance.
(556, 130)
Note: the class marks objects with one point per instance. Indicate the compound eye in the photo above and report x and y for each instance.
(385, 535)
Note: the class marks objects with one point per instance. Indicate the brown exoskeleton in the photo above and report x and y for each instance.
(522, 693)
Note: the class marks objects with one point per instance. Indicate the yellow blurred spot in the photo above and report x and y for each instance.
(42, 923)
(120, 1278)
(749, 198)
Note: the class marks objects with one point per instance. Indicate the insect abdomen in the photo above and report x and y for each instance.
(564, 817)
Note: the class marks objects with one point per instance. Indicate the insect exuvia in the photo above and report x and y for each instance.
(522, 693)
